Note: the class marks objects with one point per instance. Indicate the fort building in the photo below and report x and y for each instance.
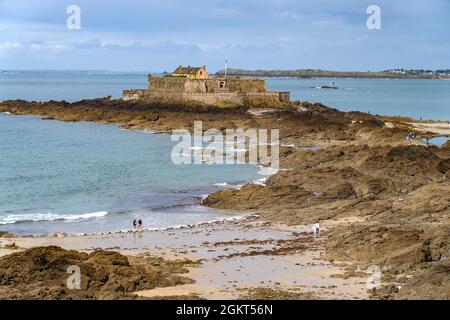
(191, 72)
(195, 84)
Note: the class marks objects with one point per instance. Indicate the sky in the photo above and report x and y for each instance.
(156, 36)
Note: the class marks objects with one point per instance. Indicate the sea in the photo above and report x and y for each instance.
(85, 177)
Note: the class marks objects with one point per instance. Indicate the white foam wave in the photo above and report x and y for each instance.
(267, 171)
(221, 184)
(261, 182)
(16, 218)
(228, 185)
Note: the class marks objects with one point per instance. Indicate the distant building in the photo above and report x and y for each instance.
(191, 72)
(195, 84)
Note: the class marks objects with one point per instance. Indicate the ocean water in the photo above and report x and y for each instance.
(67, 85)
(85, 177)
(427, 99)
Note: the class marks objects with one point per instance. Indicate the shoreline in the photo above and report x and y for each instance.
(312, 73)
(235, 217)
(226, 216)
(393, 193)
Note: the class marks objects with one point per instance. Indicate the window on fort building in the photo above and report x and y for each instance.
(222, 84)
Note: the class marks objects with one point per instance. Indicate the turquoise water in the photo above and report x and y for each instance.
(438, 141)
(66, 85)
(85, 177)
(427, 99)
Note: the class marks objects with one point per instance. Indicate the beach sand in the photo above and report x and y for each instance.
(441, 128)
(234, 256)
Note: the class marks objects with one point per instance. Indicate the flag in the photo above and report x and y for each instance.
(226, 65)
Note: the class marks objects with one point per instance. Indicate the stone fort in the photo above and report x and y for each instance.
(195, 84)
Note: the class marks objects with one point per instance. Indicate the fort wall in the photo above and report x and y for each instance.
(209, 91)
(133, 94)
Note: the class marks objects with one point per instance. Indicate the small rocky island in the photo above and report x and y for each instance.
(195, 84)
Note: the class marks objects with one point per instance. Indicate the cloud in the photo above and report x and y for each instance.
(32, 46)
(288, 15)
(277, 34)
(10, 45)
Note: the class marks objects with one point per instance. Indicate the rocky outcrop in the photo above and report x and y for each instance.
(5, 234)
(41, 273)
(400, 193)
(432, 283)
(443, 166)
(395, 246)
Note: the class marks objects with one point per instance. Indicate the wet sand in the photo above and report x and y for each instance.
(233, 256)
(441, 128)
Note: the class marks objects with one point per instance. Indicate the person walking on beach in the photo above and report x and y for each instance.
(140, 224)
(134, 224)
(316, 229)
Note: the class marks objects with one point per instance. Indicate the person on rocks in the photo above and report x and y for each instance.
(316, 229)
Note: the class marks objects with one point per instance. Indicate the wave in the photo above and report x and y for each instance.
(228, 185)
(221, 184)
(174, 227)
(6, 113)
(267, 171)
(147, 131)
(261, 182)
(37, 217)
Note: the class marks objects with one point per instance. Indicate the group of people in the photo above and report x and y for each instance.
(410, 136)
(138, 224)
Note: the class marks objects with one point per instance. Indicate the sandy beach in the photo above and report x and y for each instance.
(234, 257)
(440, 127)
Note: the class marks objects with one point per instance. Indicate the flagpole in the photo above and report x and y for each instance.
(226, 66)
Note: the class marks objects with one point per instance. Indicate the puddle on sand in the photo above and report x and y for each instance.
(437, 141)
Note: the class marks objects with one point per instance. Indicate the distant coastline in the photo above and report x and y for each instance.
(317, 73)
